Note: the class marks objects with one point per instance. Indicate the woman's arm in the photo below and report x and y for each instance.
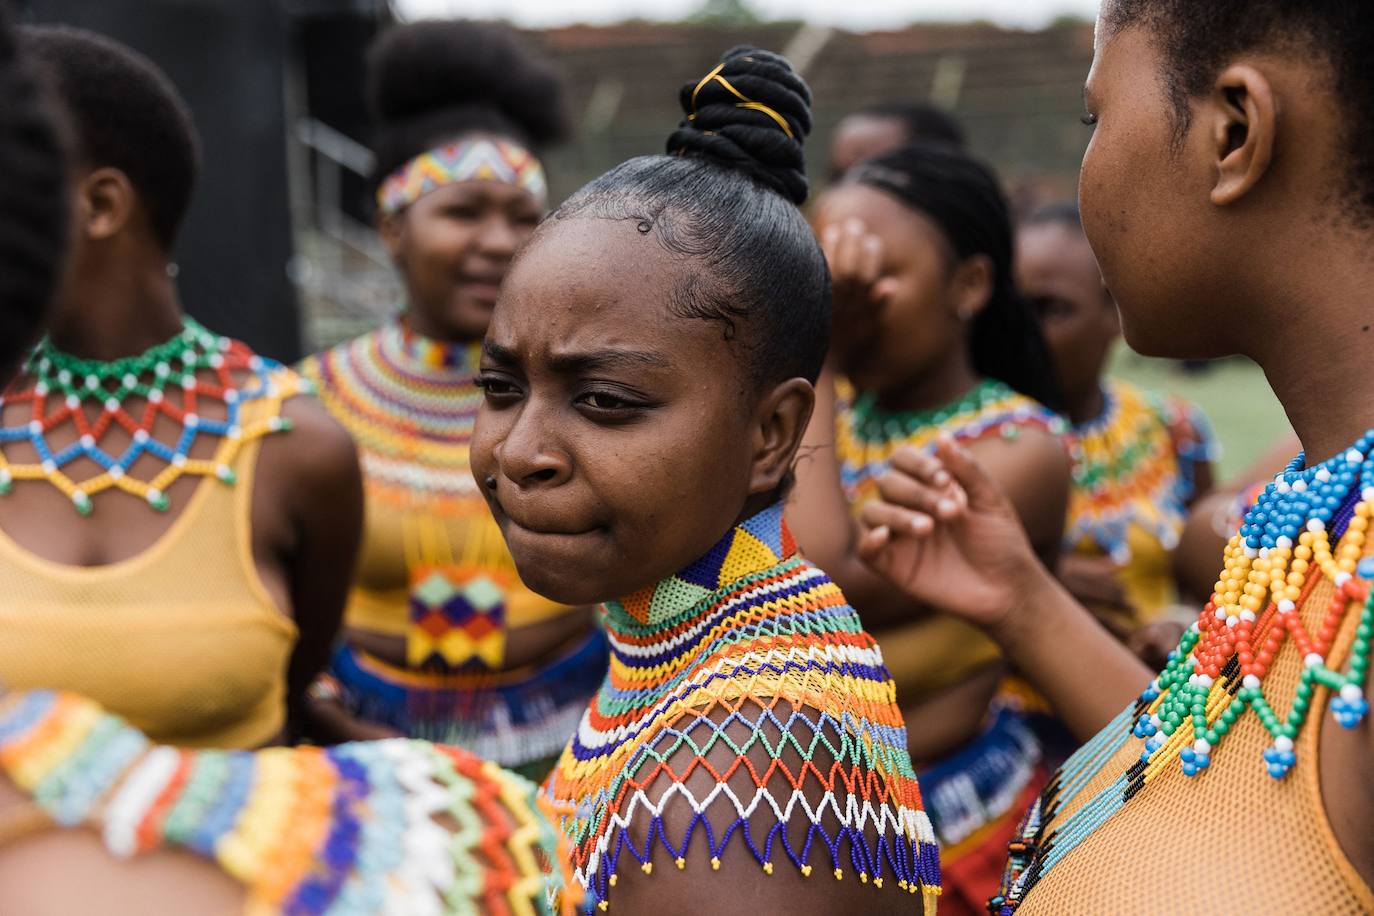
(966, 553)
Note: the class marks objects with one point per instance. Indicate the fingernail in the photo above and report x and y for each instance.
(920, 524)
(942, 478)
(947, 507)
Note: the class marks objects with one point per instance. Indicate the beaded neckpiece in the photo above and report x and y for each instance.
(410, 404)
(190, 379)
(1134, 465)
(1218, 672)
(747, 666)
(348, 830)
(867, 435)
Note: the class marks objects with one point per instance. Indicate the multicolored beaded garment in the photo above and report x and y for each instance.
(747, 666)
(434, 569)
(1134, 465)
(1258, 620)
(409, 403)
(867, 435)
(194, 380)
(348, 830)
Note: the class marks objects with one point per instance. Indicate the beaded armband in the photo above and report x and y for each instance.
(351, 829)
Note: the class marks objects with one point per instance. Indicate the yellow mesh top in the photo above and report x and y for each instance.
(1232, 841)
(182, 640)
(1147, 579)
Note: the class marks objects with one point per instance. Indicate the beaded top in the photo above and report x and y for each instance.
(1133, 465)
(748, 666)
(191, 379)
(409, 403)
(348, 830)
(1220, 671)
(867, 435)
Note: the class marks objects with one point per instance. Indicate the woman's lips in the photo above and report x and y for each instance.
(482, 290)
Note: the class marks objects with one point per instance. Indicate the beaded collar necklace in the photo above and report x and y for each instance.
(176, 380)
(749, 621)
(867, 435)
(350, 829)
(1125, 472)
(410, 403)
(1218, 672)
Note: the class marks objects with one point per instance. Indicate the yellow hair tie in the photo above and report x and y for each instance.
(744, 101)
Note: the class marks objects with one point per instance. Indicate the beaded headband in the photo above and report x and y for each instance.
(479, 159)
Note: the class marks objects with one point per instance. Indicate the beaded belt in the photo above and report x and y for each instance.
(981, 783)
(515, 719)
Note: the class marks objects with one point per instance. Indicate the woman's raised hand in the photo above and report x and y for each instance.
(945, 534)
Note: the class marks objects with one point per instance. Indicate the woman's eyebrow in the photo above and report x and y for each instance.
(574, 363)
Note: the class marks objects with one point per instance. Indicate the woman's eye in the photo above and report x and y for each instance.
(603, 400)
(495, 388)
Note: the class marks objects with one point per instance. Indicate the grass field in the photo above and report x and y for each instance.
(1246, 415)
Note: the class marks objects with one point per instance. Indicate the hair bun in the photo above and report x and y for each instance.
(426, 68)
(751, 113)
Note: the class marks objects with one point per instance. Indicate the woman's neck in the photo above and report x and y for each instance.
(947, 381)
(106, 315)
(1318, 352)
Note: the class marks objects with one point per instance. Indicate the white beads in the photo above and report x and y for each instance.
(1323, 475)
(1287, 607)
(35, 427)
(1352, 693)
(1299, 486)
(73, 401)
(192, 421)
(1284, 542)
(88, 442)
(1354, 456)
(141, 436)
(111, 405)
(1283, 744)
(49, 466)
(1342, 577)
(1248, 616)
(1315, 524)
(1313, 660)
(1250, 682)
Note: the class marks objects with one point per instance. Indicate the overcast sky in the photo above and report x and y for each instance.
(863, 14)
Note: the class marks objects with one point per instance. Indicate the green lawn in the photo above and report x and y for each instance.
(1233, 392)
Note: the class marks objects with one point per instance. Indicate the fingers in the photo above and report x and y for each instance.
(897, 520)
(922, 465)
(906, 491)
(854, 254)
(968, 473)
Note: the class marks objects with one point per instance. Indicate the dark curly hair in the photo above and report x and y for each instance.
(1198, 37)
(122, 111)
(726, 195)
(33, 207)
(430, 82)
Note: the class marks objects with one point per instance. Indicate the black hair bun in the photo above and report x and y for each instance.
(427, 70)
(758, 128)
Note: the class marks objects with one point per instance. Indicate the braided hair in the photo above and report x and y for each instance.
(431, 82)
(726, 194)
(962, 196)
(33, 210)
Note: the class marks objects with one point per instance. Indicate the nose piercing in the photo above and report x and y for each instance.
(490, 482)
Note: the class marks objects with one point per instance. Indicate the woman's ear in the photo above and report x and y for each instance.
(105, 203)
(391, 229)
(1243, 123)
(971, 286)
(779, 425)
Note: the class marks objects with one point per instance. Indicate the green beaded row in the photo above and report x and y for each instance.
(874, 424)
(195, 348)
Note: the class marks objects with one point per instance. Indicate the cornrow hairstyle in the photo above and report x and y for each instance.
(727, 196)
(963, 197)
(33, 206)
(1198, 39)
(121, 111)
(431, 82)
(923, 123)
